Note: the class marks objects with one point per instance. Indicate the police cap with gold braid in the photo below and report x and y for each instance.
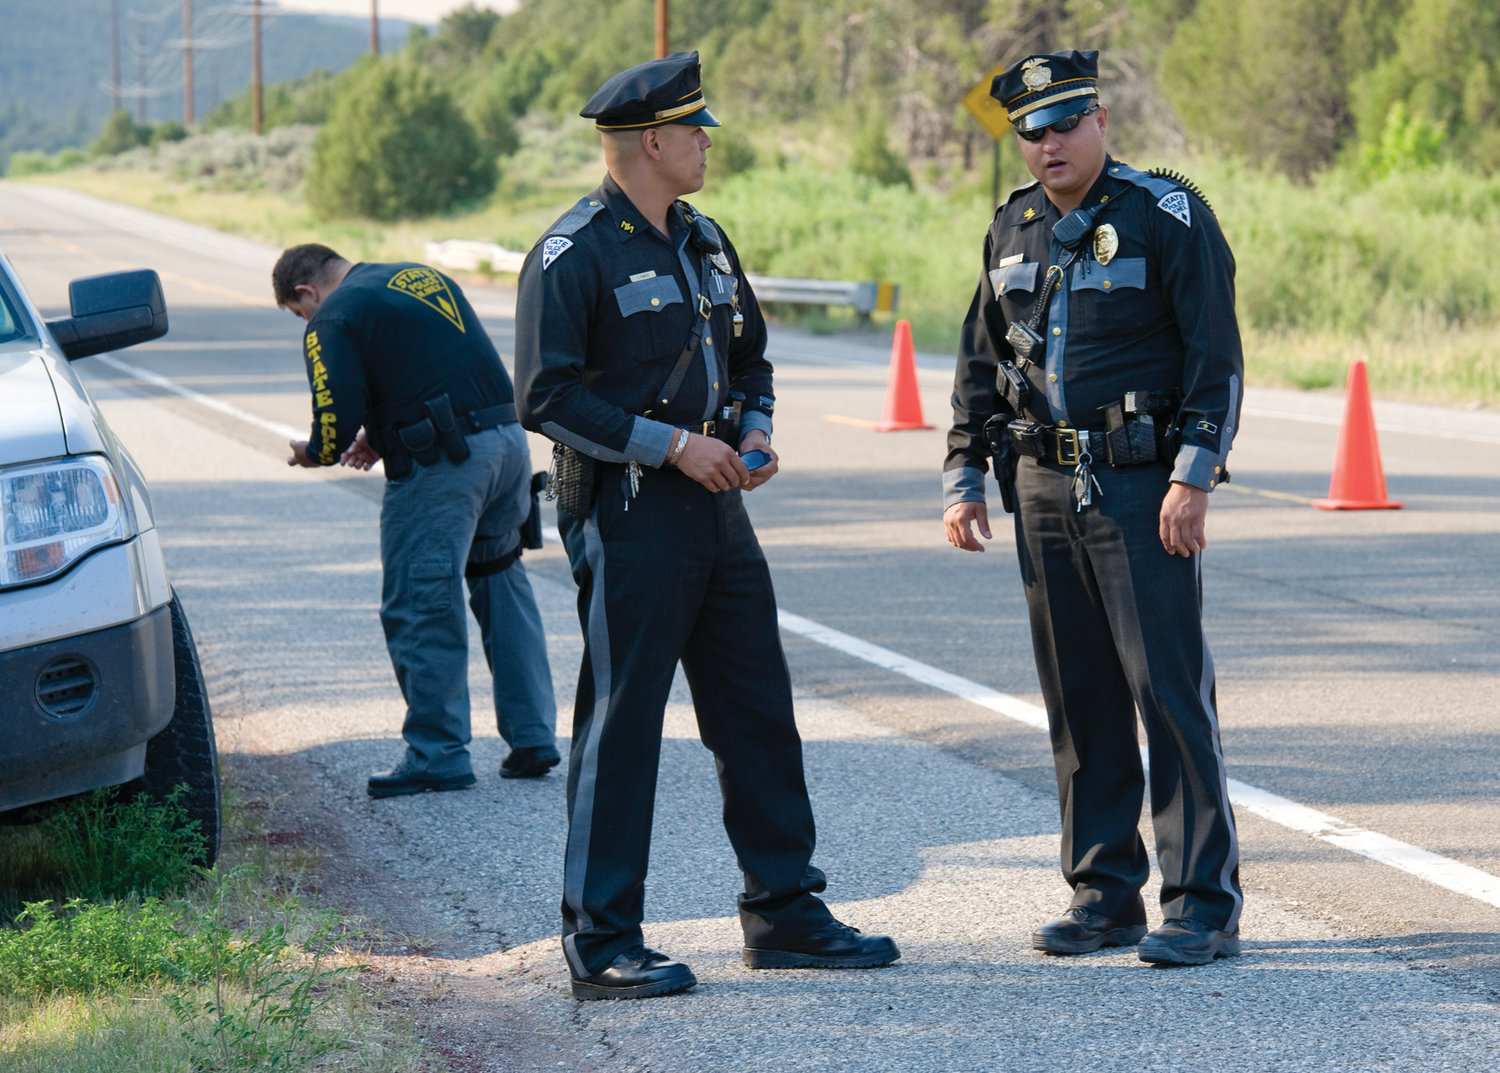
(668, 90)
(1043, 89)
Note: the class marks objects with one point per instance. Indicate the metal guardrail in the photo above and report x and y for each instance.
(467, 256)
(865, 297)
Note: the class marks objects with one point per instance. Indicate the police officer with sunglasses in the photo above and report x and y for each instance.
(1100, 370)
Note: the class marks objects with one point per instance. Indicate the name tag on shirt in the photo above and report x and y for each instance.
(643, 275)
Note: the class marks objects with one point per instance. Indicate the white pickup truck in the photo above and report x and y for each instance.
(99, 677)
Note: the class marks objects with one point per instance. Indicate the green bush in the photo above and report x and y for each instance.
(732, 153)
(119, 134)
(169, 131)
(30, 162)
(100, 846)
(89, 948)
(871, 156)
(396, 145)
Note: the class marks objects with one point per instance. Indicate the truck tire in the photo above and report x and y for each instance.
(184, 751)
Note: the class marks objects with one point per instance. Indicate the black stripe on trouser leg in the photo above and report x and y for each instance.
(742, 695)
(1105, 585)
(1091, 716)
(641, 574)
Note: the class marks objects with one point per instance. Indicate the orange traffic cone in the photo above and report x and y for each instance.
(1358, 479)
(903, 402)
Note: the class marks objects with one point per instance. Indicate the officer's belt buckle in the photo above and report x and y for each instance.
(708, 428)
(1067, 444)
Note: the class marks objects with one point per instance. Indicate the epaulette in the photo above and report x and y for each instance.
(1014, 194)
(556, 242)
(1182, 181)
(1018, 190)
(585, 210)
(1169, 188)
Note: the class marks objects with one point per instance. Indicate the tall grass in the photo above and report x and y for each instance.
(123, 955)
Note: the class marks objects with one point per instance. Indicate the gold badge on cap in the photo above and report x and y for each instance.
(1106, 244)
(1035, 74)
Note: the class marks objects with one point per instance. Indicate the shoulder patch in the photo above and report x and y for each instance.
(553, 248)
(1176, 205)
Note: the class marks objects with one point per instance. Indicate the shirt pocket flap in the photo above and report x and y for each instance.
(1121, 272)
(720, 288)
(1017, 277)
(647, 294)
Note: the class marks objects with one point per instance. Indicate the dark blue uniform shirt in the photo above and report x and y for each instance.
(390, 337)
(606, 306)
(1158, 316)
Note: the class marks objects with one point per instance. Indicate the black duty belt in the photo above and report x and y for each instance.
(719, 430)
(1053, 443)
(503, 413)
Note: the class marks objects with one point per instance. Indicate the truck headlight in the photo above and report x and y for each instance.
(54, 513)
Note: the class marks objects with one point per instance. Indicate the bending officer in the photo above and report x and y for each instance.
(396, 350)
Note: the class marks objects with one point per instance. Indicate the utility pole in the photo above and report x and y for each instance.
(255, 97)
(375, 26)
(662, 47)
(140, 73)
(187, 64)
(114, 55)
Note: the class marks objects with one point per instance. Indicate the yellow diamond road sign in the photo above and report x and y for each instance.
(989, 112)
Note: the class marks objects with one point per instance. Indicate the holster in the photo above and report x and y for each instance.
(440, 412)
(531, 528)
(1138, 428)
(1003, 453)
(419, 440)
(572, 480)
(1013, 385)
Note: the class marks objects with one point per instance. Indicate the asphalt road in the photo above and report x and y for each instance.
(1358, 668)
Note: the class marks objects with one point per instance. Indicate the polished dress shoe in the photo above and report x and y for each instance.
(1081, 930)
(529, 761)
(1181, 941)
(638, 973)
(833, 946)
(403, 780)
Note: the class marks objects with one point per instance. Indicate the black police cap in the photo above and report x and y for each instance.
(1043, 89)
(668, 90)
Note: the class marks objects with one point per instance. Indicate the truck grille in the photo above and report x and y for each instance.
(66, 686)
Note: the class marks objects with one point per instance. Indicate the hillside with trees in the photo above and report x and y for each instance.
(1335, 139)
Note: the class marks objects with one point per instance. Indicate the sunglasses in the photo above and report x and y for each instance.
(1062, 126)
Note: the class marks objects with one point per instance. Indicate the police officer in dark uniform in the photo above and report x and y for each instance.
(1100, 365)
(640, 350)
(396, 350)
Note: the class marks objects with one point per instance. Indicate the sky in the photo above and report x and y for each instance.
(424, 11)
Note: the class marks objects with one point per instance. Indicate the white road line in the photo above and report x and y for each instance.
(1434, 868)
(1442, 871)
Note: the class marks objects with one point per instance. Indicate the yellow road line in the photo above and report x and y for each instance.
(197, 285)
(840, 419)
(1264, 493)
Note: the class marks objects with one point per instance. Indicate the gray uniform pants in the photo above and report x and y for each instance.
(1116, 623)
(432, 524)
